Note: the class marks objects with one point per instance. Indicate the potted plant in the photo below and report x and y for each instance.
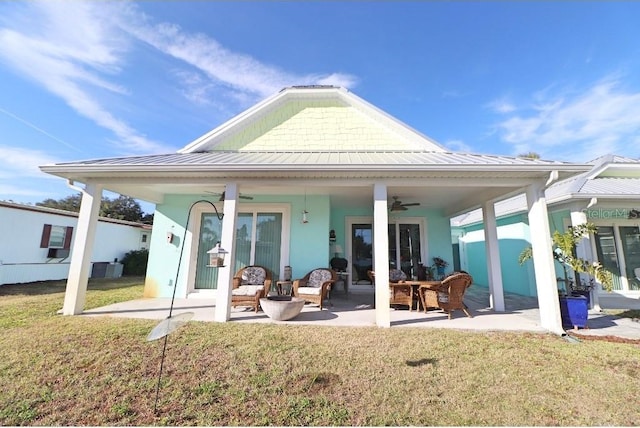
(439, 264)
(575, 296)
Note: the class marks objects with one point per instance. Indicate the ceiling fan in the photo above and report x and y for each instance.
(221, 196)
(397, 205)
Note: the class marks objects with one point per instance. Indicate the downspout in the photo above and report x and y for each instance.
(71, 185)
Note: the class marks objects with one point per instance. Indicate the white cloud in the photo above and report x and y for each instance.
(578, 125)
(458, 146)
(74, 59)
(22, 163)
(79, 50)
(236, 72)
(502, 105)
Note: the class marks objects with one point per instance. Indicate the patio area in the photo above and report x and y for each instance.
(356, 310)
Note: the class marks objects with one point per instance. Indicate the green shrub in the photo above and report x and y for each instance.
(135, 262)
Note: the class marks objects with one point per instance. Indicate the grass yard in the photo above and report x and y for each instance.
(60, 370)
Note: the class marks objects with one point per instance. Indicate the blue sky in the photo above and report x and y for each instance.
(82, 80)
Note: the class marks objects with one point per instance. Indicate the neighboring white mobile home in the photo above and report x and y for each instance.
(35, 243)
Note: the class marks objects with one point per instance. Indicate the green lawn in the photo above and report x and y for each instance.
(60, 370)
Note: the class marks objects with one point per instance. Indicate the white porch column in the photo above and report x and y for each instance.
(381, 254)
(227, 241)
(76, 291)
(545, 273)
(494, 268)
(583, 251)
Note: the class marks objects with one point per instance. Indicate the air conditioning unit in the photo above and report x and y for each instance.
(58, 253)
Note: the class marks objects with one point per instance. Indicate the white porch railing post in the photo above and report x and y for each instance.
(545, 272)
(76, 291)
(494, 268)
(227, 241)
(381, 254)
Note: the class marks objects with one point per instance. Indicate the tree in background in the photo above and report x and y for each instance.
(530, 155)
(121, 208)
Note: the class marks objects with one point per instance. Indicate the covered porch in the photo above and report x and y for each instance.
(356, 310)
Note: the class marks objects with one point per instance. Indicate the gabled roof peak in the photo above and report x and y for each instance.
(312, 87)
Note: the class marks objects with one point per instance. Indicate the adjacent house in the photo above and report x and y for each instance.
(37, 243)
(608, 195)
(304, 175)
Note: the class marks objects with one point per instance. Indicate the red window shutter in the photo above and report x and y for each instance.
(67, 238)
(46, 234)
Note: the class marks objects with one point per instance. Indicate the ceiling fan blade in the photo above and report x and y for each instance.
(412, 204)
(397, 207)
(241, 196)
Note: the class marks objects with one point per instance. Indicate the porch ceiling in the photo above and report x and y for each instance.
(450, 196)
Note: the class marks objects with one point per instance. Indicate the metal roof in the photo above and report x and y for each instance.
(335, 159)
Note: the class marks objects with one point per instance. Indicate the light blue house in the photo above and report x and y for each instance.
(608, 195)
(275, 180)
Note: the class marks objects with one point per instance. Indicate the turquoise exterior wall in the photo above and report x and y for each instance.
(308, 244)
(513, 237)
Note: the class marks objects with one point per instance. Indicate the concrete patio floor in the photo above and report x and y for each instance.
(356, 309)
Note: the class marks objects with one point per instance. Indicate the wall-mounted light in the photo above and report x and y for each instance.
(332, 236)
(216, 256)
(305, 220)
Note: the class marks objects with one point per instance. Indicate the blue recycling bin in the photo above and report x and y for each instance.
(574, 311)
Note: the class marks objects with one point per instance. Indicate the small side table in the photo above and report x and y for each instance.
(344, 278)
(285, 288)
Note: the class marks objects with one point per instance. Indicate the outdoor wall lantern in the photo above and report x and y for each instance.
(332, 236)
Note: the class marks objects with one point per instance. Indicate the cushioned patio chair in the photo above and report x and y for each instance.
(315, 285)
(400, 293)
(250, 284)
(448, 295)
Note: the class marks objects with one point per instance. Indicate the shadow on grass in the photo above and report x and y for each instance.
(52, 287)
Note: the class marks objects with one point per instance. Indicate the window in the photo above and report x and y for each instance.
(57, 239)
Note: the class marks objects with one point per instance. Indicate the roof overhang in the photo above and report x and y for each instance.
(452, 182)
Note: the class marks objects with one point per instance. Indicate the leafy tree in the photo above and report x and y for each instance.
(530, 155)
(121, 208)
(70, 203)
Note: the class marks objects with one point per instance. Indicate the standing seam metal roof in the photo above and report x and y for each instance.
(345, 158)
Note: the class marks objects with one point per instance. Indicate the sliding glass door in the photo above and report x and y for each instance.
(258, 242)
(406, 247)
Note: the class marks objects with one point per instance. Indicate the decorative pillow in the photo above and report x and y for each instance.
(253, 275)
(318, 277)
(396, 275)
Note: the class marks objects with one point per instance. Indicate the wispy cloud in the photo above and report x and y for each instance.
(502, 105)
(458, 146)
(577, 125)
(22, 163)
(242, 75)
(74, 61)
(83, 60)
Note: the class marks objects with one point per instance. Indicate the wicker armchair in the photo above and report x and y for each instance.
(315, 285)
(448, 295)
(400, 293)
(249, 285)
